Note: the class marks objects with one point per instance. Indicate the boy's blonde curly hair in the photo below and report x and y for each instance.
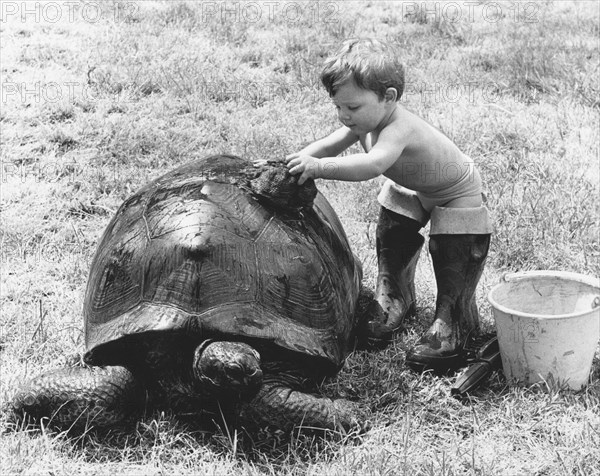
(370, 63)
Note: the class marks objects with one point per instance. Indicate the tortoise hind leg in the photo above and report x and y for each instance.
(80, 397)
(279, 405)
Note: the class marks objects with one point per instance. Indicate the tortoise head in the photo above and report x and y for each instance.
(228, 367)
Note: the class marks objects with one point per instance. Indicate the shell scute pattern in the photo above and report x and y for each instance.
(197, 250)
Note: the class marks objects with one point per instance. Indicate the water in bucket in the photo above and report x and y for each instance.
(548, 325)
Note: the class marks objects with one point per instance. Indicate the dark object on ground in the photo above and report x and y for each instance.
(483, 357)
(219, 286)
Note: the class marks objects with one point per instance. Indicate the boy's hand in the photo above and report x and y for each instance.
(306, 165)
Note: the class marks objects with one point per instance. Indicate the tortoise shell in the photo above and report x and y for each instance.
(199, 251)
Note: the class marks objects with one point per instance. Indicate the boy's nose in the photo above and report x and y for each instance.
(343, 116)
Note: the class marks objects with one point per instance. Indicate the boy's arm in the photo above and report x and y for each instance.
(329, 146)
(353, 168)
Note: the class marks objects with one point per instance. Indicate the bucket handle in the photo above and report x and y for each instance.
(518, 276)
(511, 277)
(596, 302)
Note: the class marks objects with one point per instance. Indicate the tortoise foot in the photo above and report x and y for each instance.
(79, 398)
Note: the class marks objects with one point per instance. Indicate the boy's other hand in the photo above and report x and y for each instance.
(306, 165)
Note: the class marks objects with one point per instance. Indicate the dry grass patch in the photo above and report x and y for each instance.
(147, 88)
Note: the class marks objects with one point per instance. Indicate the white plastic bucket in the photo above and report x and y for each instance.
(548, 325)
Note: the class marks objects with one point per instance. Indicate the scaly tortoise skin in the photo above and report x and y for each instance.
(218, 282)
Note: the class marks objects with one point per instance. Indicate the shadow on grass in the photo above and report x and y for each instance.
(390, 391)
(173, 439)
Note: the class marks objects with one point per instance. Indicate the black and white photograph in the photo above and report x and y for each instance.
(305, 237)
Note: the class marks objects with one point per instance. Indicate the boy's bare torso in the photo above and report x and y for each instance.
(429, 161)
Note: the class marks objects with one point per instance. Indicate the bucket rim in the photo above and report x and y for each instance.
(524, 275)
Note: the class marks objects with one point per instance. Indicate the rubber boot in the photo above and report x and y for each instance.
(458, 261)
(398, 246)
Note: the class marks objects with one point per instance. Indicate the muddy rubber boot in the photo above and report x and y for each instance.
(398, 247)
(458, 262)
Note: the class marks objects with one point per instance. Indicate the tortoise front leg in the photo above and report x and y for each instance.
(279, 405)
(80, 397)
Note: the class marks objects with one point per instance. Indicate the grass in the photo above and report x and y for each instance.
(92, 110)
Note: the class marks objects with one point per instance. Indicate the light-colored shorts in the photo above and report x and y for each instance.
(418, 205)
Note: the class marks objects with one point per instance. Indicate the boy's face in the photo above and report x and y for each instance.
(361, 109)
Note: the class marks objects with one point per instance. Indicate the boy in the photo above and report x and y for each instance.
(428, 177)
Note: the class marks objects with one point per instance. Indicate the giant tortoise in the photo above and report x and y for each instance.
(219, 281)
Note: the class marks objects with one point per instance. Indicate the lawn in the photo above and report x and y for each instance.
(98, 98)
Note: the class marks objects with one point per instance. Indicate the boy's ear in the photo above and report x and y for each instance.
(391, 94)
